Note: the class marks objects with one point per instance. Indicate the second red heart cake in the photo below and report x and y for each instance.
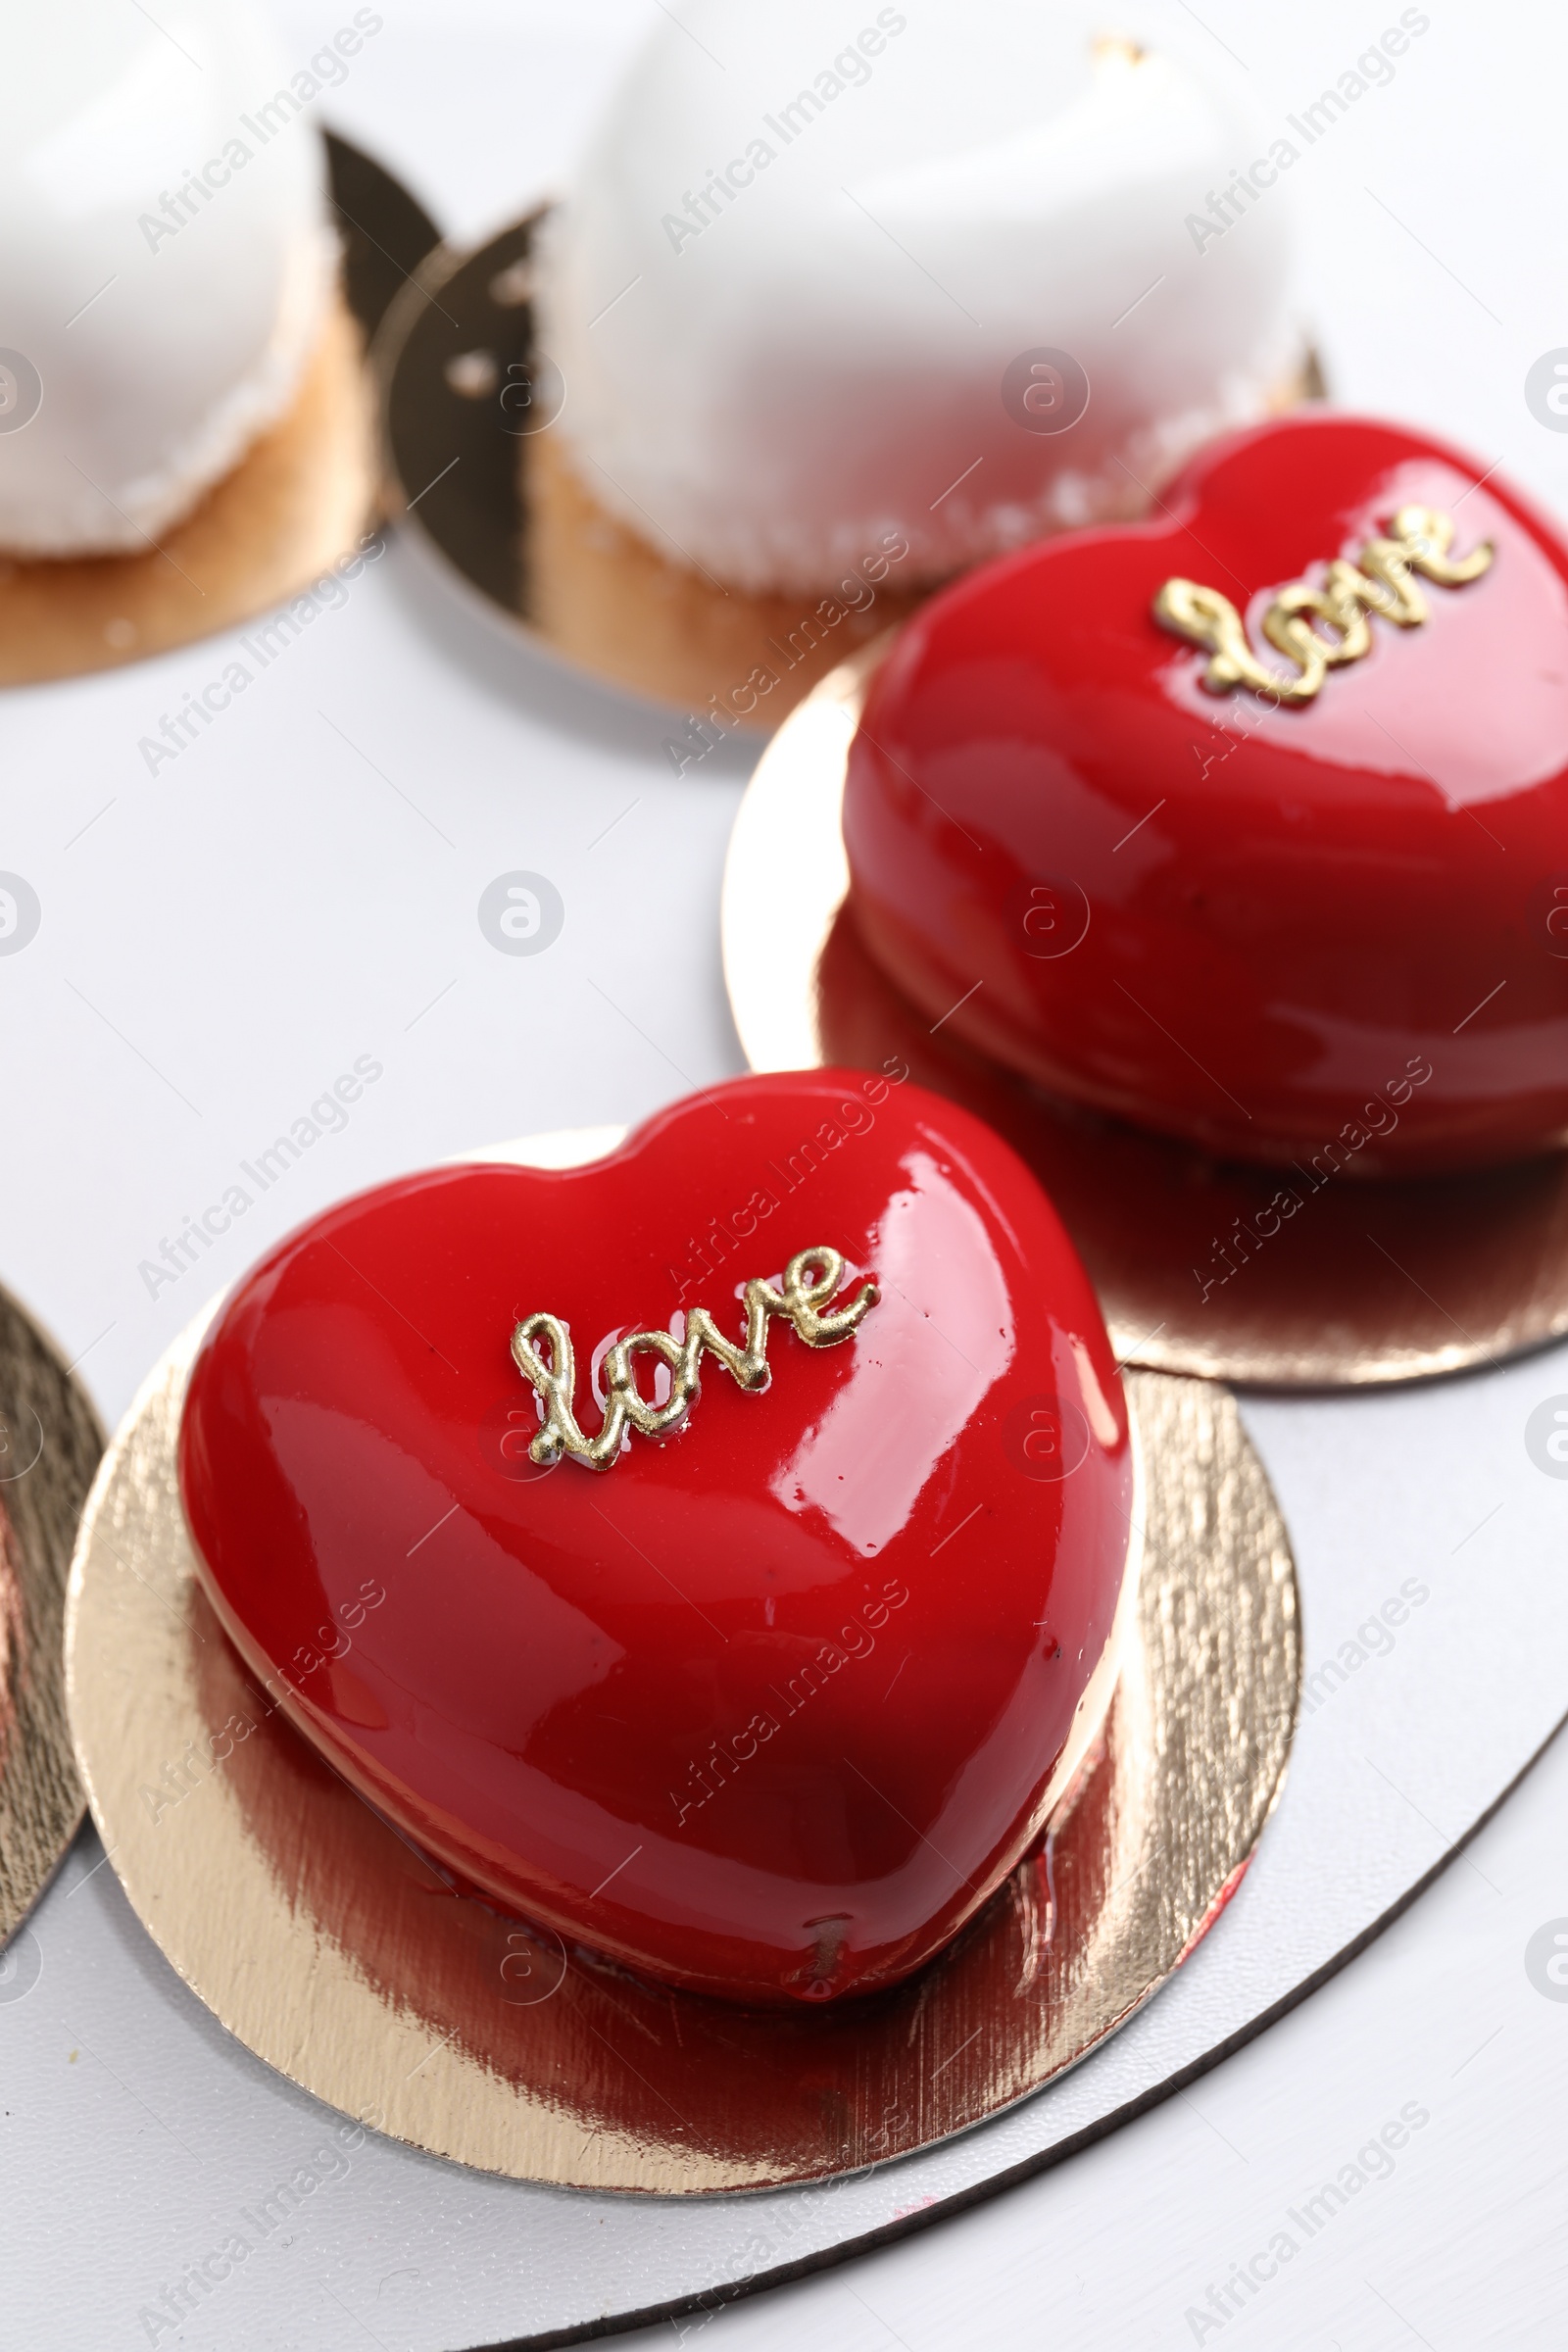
(768, 1708)
(1249, 823)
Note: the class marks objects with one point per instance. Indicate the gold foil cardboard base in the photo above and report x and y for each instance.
(340, 1957)
(50, 1443)
(1197, 1271)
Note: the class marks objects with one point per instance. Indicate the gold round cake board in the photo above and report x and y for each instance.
(469, 408)
(1374, 1280)
(335, 1953)
(50, 1443)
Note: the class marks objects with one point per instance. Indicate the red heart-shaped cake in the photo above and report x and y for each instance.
(770, 1710)
(1248, 823)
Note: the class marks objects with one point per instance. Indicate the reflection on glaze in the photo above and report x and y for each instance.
(863, 1464)
(706, 1712)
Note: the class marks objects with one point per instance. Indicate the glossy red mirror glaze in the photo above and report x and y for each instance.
(1334, 933)
(769, 1708)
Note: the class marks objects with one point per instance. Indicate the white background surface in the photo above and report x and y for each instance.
(221, 940)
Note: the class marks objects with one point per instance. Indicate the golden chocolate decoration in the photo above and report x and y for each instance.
(553, 1375)
(1418, 540)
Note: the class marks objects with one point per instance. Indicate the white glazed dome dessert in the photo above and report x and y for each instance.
(825, 281)
(163, 262)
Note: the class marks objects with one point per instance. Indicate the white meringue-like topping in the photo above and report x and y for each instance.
(806, 247)
(164, 258)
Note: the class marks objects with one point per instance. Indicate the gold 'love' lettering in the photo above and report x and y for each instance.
(1417, 541)
(542, 1350)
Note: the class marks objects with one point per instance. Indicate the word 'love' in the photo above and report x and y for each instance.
(1418, 540)
(810, 1281)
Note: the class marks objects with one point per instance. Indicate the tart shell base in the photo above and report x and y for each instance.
(606, 601)
(337, 1955)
